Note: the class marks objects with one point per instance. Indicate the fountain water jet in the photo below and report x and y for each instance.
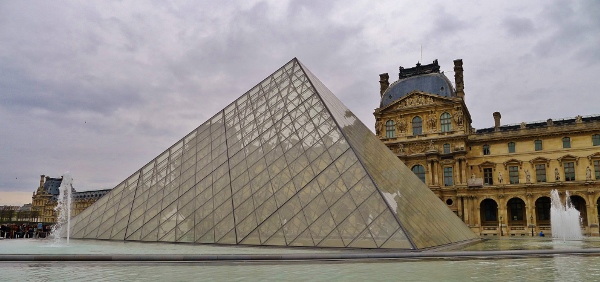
(63, 209)
(565, 218)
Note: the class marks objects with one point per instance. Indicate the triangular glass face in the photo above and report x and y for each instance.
(286, 164)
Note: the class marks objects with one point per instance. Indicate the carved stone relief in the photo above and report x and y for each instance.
(432, 122)
(418, 147)
(378, 125)
(401, 125)
(458, 117)
(418, 100)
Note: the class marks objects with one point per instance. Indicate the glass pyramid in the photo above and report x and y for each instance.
(286, 164)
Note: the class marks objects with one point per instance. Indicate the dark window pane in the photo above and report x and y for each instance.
(540, 172)
(488, 177)
(511, 147)
(513, 172)
(538, 145)
(569, 171)
(566, 142)
(446, 148)
(596, 140)
(417, 125)
(419, 170)
(446, 122)
(448, 176)
(390, 129)
(486, 149)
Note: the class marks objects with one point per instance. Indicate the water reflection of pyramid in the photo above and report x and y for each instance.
(286, 164)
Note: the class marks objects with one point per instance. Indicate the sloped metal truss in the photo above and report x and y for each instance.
(286, 164)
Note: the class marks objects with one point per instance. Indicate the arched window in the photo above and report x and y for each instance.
(489, 211)
(390, 129)
(419, 171)
(516, 209)
(542, 206)
(417, 125)
(446, 122)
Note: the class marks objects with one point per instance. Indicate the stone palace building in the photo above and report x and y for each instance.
(498, 179)
(45, 199)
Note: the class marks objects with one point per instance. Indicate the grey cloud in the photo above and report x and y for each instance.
(102, 88)
(518, 27)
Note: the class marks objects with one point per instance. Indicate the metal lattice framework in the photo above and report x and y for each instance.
(286, 164)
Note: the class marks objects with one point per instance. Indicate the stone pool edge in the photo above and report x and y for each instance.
(298, 257)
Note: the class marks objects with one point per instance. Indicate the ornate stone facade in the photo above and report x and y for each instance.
(44, 199)
(498, 179)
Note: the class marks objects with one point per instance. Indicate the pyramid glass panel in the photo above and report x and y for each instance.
(286, 164)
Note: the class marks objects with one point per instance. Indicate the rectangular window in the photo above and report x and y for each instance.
(486, 149)
(513, 173)
(390, 129)
(540, 172)
(511, 147)
(448, 176)
(488, 176)
(570, 171)
(597, 169)
(566, 142)
(446, 148)
(596, 140)
(417, 126)
(538, 145)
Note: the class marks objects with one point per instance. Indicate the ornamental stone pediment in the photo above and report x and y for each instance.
(416, 99)
(593, 157)
(540, 160)
(513, 162)
(568, 158)
(486, 164)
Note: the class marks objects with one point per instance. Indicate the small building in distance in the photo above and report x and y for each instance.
(497, 179)
(44, 199)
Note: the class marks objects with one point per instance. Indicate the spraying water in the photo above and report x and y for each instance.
(63, 209)
(564, 218)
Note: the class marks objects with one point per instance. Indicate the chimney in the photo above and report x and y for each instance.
(384, 83)
(497, 117)
(458, 78)
(42, 180)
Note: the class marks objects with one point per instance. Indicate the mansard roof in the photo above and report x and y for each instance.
(425, 78)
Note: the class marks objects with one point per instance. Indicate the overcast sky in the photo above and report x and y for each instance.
(99, 88)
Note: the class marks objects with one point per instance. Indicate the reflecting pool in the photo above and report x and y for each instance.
(554, 268)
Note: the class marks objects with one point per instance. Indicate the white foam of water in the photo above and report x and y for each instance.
(63, 209)
(565, 218)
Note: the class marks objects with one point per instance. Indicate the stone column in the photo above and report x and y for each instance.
(459, 206)
(456, 171)
(429, 174)
(466, 209)
(463, 171)
(436, 172)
